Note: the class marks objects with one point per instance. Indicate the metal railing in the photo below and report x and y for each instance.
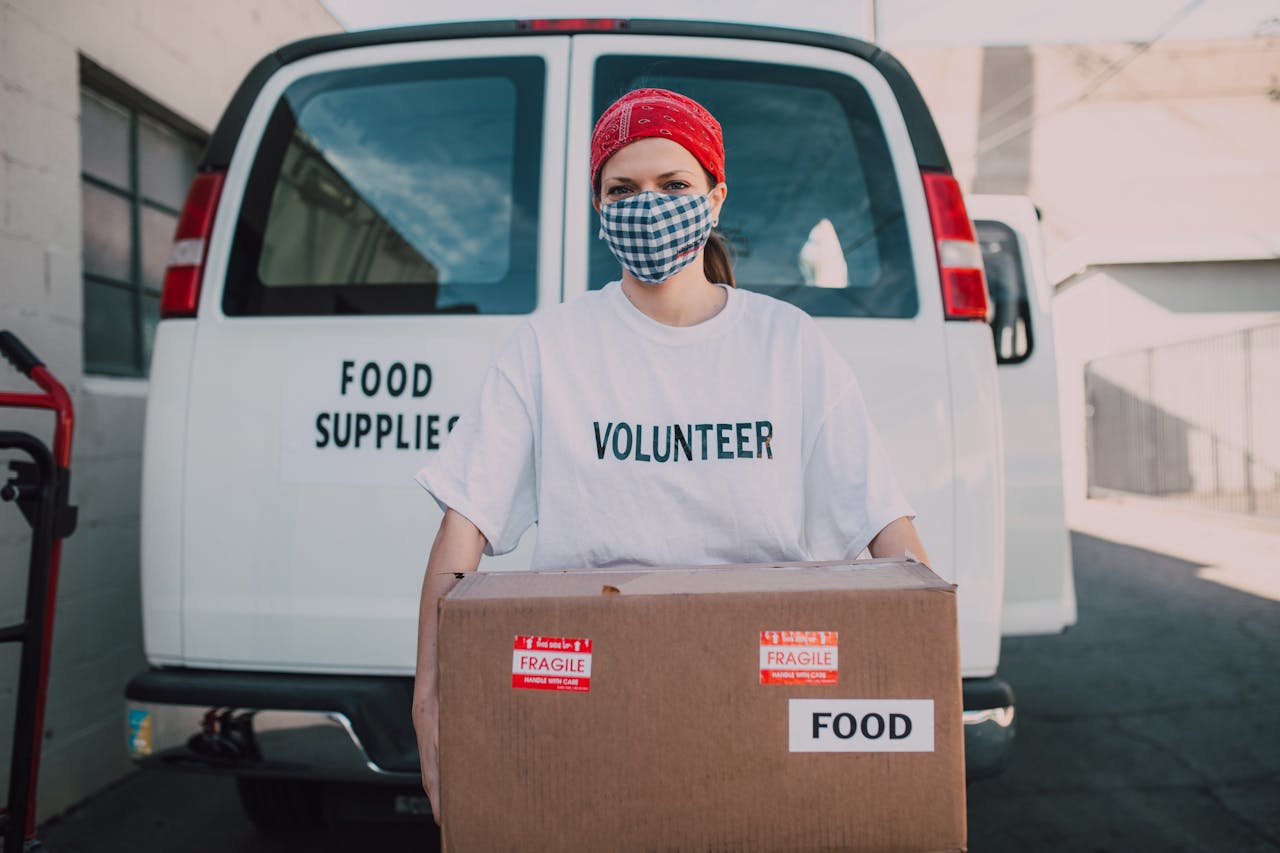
(1195, 422)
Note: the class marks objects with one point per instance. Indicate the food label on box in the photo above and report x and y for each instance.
(551, 663)
(799, 657)
(861, 725)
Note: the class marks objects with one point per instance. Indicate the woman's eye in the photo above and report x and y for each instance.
(619, 190)
(677, 185)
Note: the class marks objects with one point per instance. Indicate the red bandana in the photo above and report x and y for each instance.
(658, 112)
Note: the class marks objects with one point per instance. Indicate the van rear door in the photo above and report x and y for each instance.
(1039, 590)
(389, 215)
(825, 210)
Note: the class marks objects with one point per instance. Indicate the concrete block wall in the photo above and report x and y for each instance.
(188, 56)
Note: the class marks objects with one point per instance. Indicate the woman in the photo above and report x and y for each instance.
(667, 419)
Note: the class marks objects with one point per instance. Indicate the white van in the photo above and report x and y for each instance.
(1043, 600)
(376, 212)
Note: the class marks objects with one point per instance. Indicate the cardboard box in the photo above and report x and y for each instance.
(776, 707)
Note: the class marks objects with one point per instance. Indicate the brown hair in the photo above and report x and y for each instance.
(717, 260)
(717, 255)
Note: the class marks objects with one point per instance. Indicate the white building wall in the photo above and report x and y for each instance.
(1127, 308)
(1171, 148)
(950, 78)
(188, 56)
(1178, 140)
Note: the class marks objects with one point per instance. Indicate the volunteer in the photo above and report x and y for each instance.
(666, 419)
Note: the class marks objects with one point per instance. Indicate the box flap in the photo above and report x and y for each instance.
(881, 574)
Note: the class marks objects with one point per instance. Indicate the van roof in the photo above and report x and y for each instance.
(923, 132)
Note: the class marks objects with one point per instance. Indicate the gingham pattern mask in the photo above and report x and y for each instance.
(655, 235)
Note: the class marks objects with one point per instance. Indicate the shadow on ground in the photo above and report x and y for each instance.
(160, 812)
(1150, 725)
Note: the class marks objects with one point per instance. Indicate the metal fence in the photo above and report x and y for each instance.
(1195, 422)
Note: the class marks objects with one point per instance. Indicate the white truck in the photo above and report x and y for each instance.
(375, 213)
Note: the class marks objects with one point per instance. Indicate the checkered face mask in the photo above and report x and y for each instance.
(654, 235)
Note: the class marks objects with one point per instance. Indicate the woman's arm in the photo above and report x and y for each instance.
(457, 548)
(897, 539)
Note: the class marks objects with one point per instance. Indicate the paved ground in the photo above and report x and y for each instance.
(1152, 725)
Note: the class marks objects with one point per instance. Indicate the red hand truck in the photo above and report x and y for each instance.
(39, 488)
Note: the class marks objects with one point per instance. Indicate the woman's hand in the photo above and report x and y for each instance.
(457, 549)
(426, 725)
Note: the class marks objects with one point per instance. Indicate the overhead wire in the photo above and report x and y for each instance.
(1000, 137)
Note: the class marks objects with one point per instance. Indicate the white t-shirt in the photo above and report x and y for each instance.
(741, 439)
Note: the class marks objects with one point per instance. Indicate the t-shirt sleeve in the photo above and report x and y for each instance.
(485, 470)
(850, 491)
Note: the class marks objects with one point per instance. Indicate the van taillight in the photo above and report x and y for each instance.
(181, 292)
(964, 285)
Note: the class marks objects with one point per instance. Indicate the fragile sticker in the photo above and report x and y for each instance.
(799, 657)
(551, 663)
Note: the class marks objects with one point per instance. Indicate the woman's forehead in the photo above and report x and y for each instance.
(650, 157)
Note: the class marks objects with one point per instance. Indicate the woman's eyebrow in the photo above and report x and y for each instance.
(620, 179)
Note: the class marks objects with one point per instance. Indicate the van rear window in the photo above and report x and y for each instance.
(396, 189)
(814, 212)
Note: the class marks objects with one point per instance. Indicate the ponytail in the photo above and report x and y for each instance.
(717, 260)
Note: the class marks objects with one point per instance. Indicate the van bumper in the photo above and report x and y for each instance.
(349, 728)
(358, 728)
(989, 726)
